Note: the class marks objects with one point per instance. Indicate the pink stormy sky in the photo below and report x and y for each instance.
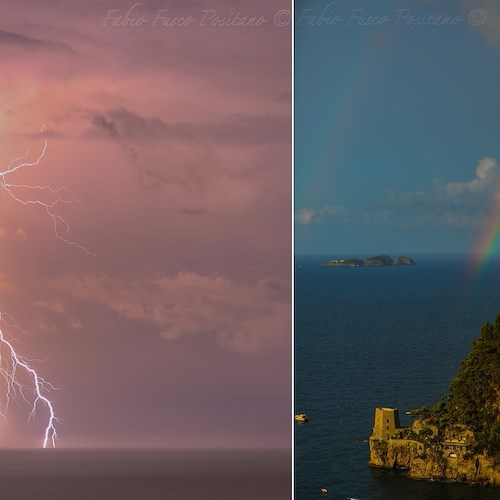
(177, 140)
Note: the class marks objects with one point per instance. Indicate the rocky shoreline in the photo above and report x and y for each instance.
(458, 439)
(420, 451)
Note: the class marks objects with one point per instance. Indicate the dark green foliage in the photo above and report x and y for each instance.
(422, 412)
(424, 433)
(410, 434)
(379, 260)
(474, 394)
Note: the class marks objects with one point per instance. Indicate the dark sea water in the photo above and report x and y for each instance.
(144, 475)
(385, 336)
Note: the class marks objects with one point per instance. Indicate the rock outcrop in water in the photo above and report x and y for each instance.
(375, 260)
(459, 438)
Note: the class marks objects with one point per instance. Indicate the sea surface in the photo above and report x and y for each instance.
(382, 336)
(144, 475)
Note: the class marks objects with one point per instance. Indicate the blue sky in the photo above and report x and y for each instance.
(397, 137)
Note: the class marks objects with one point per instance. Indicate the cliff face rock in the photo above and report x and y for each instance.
(479, 470)
(394, 453)
(426, 457)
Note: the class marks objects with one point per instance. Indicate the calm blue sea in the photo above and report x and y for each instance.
(385, 336)
(145, 475)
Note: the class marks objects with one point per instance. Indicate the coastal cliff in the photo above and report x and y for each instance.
(459, 438)
(449, 457)
(375, 260)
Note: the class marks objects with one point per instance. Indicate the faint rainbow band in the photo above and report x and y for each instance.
(488, 243)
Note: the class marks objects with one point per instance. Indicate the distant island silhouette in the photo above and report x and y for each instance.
(376, 260)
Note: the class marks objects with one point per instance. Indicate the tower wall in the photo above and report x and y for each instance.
(386, 423)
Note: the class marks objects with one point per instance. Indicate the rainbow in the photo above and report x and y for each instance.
(337, 122)
(488, 243)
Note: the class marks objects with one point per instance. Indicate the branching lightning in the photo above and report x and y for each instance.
(11, 363)
(61, 226)
(15, 389)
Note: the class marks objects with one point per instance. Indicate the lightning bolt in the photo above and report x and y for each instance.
(59, 222)
(15, 388)
(13, 363)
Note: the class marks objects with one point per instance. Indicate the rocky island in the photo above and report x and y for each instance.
(458, 439)
(375, 260)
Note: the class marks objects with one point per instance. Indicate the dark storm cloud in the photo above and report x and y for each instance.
(240, 129)
(25, 42)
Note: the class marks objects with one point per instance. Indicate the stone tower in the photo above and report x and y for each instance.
(386, 423)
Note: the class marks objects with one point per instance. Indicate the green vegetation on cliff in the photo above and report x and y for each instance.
(459, 438)
(378, 260)
(474, 394)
